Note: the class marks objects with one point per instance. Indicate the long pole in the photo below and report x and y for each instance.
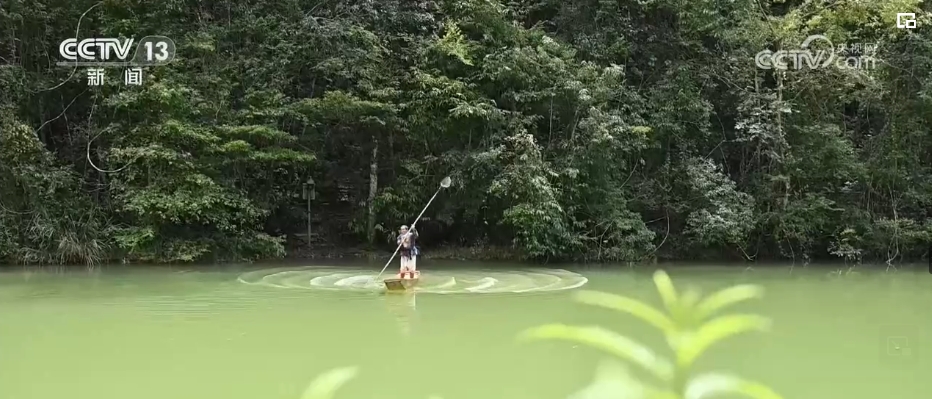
(309, 220)
(412, 228)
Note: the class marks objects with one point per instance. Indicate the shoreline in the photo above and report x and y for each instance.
(322, 251)
(439, 253)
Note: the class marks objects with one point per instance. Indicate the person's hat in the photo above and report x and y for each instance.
(403, 227)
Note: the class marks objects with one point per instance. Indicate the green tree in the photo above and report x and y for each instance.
(586, 130)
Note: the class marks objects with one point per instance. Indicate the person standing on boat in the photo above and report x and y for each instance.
(409, 251)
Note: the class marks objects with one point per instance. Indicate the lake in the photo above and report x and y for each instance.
(264, 331)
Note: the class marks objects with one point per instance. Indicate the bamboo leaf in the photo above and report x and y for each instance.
(727, 297)
(667, 291)
(606, 340)
(326, 385)
(714, 384)
(641, 310)
(690, 347)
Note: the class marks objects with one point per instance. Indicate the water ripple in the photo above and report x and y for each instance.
(436, 282)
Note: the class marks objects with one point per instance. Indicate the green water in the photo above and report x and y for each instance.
(169, 333)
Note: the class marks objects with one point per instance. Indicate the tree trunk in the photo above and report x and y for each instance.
(373, 188)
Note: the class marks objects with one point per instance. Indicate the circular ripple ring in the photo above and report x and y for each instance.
(436, 282)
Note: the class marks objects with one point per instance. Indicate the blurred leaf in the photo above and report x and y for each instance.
(666, 290)
(727, 297)
(636, 308)
(687, 318)
(714, 384)
(714, 331)
(690, 298)
(612, 380)
(327, 384)
(608, 341)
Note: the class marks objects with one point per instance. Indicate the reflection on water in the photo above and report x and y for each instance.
(403, 306)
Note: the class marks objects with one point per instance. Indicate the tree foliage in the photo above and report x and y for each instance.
(577, 129)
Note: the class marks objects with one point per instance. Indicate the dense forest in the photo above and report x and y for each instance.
(598, 130)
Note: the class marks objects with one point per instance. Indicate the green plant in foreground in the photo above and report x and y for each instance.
(326, 385)
(690, 326)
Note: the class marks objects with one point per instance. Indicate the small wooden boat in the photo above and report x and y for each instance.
(402, 284)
